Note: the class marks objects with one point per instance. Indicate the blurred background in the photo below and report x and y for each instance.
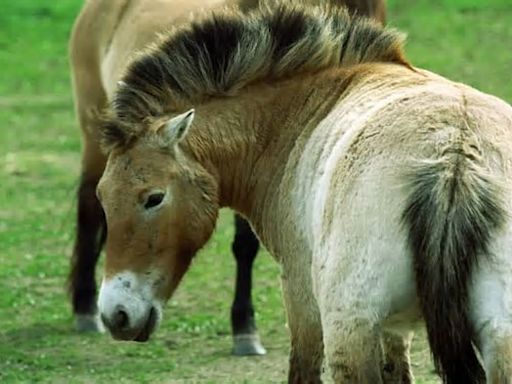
(465, 40)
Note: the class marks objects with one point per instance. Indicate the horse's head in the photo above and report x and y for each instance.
(161, 207)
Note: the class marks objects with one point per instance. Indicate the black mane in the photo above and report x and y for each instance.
(227, 49)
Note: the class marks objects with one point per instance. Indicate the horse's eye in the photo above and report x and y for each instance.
(153, 200)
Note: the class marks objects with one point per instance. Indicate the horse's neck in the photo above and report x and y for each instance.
(258, 146)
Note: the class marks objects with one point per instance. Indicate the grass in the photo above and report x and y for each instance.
(465, 40)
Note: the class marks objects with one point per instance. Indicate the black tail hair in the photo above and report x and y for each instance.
(451, 215)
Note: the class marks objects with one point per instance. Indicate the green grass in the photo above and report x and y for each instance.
(466, 40)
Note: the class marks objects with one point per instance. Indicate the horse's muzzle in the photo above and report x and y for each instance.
(123, 327)
(128, 307)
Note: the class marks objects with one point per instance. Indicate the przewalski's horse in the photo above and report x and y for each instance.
(105, 37)
(383, 191)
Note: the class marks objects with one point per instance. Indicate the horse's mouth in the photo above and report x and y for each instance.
(148, 328)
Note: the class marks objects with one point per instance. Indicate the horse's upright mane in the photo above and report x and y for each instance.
(227, 49)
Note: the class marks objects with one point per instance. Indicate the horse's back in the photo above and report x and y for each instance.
(378, 132)
(370, 144)
(107, 35)
(92, 31)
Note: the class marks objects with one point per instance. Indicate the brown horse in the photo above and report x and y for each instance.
(384, 191)
(106, 35)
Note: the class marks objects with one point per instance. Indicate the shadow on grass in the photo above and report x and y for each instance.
(37, 333)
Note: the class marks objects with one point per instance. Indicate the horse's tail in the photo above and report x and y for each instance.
(451, 215)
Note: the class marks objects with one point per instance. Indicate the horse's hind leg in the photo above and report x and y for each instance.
(355, 295)
(245, 246)
(352, 348)
(495, 344)
(498, 360)
(397, 360)
(491, 310)
(359, 351)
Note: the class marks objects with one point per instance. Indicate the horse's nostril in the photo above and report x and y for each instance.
(120, 319)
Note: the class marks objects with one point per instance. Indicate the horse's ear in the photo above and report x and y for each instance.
(176, 128)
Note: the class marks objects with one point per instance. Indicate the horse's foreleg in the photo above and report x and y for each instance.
(305, 356)
(245, 246)
(397, 360)
(306, 352)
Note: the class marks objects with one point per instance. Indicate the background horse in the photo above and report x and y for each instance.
(105, 37)
(382, 190)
